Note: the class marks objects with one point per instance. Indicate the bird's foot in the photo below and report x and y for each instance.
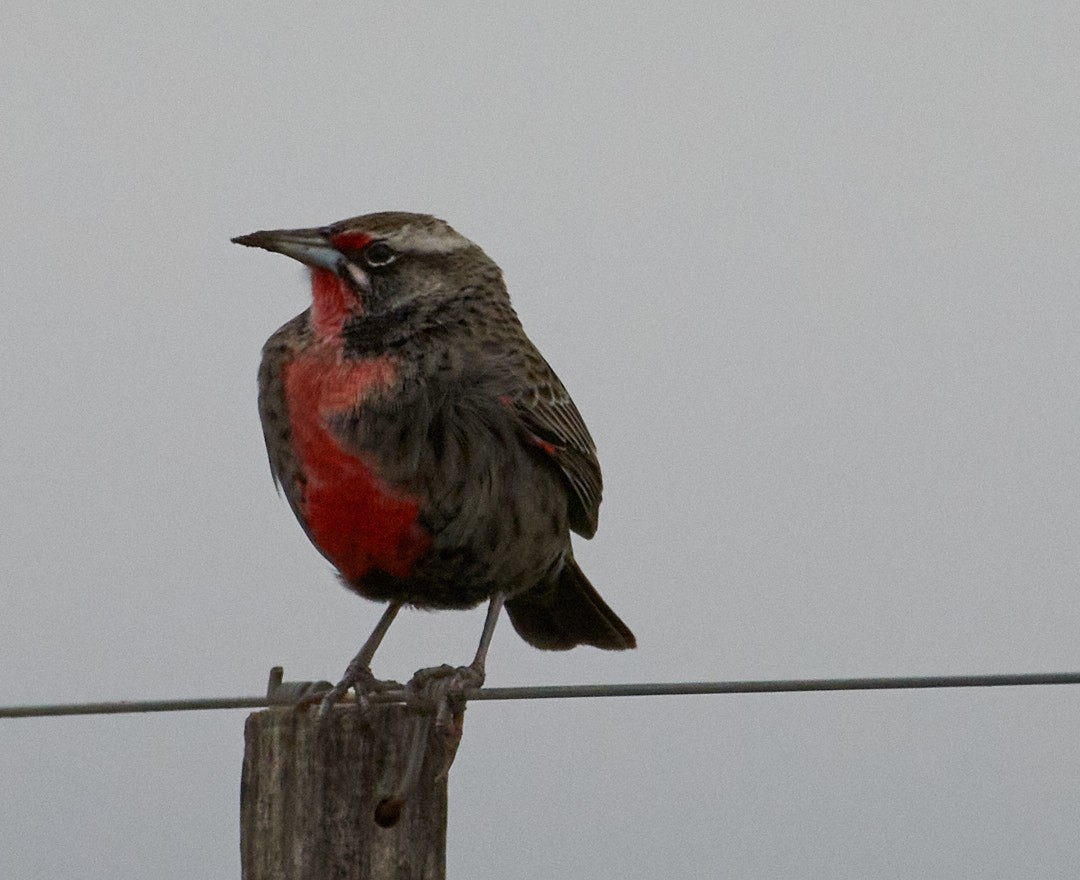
(443, 689)
(437, 683)
(358, 678)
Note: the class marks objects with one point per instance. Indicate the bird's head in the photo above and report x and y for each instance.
(379, 263)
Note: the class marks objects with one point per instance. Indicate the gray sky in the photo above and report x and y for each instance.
(811, 273)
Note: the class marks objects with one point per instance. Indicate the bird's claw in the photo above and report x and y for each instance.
(359, 679)
(458, 678)
(443, 689)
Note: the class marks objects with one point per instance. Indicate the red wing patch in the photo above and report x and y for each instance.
(546, 445)
(549, 448)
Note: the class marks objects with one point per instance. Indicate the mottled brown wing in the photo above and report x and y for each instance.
(278, 352)
(554, 424)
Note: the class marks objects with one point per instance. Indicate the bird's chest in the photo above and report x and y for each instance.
(355, 519)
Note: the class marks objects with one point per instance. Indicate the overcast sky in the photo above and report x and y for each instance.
(811, 273)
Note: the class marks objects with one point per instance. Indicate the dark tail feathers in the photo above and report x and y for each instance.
(568, 612)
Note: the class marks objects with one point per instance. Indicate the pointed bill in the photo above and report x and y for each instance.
(309, 246)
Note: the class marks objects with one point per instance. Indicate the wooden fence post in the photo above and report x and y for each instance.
(308, 796)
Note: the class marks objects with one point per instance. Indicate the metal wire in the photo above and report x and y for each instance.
(647, 689)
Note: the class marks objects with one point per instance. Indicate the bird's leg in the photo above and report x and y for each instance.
(358, 672)
(443, 688)
(477, 667)
(460, 677)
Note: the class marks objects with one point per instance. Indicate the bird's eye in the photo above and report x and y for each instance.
(379, 254)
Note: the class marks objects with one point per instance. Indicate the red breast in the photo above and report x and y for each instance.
(356, 520)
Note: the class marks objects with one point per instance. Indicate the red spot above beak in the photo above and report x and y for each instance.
(350, 241)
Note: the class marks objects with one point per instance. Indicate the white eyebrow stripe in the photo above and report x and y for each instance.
(415, 238)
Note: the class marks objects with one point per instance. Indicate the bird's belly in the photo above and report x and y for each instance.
(357, 521)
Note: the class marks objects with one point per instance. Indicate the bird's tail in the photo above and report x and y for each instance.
(567, 612)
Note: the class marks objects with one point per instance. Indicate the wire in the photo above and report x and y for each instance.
(647, 689)
(123, 707)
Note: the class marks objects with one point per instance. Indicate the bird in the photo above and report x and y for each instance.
(424, 444)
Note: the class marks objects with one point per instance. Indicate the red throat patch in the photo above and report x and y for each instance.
(332, 301)
(354, 518)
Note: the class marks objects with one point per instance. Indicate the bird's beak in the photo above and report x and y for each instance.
(309, 246)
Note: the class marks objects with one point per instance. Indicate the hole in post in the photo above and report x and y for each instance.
(388, 812)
